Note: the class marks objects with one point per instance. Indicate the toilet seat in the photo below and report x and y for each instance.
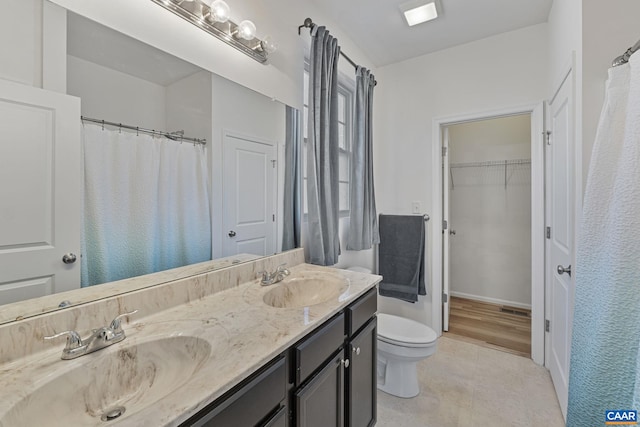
(404, 332)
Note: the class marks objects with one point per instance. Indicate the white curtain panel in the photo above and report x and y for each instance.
(605, 352)
(146, 205)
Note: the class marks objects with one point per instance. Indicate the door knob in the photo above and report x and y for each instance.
(562, 270)
(232, 233)
(69, 258)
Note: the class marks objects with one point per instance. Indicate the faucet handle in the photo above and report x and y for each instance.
(73, 339)
(283, 270)
(115, 323)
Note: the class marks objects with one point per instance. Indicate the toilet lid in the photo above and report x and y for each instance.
(403, 330)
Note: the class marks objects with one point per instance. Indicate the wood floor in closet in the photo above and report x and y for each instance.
(491, 325)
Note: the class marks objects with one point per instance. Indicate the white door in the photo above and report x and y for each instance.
(40, 192)
(560, 152)
(446, 228)
(249, 183)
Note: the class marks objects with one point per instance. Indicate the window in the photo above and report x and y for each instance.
(345, 135)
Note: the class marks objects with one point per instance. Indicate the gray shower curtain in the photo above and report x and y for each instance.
(292, 185)
(363, 221)
(322, 149)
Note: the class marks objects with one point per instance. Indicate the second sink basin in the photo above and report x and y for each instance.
(112, 384)
(306, 290)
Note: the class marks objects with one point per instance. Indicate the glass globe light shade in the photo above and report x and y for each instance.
(268, 45)
(246, 30)
(219, 11)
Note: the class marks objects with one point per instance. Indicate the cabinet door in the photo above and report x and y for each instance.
(319, 403)
(361, 377)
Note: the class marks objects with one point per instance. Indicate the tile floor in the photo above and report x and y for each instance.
(465, 385)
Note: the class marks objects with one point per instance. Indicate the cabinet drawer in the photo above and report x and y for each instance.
(310, 353)
(251, 402)
(359, 313)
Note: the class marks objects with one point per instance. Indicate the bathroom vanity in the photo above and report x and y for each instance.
(214, 349)
(325, 379)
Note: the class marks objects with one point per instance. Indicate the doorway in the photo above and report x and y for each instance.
(487, 205)
(440, 300)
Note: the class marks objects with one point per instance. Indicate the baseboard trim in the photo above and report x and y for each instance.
(490, 300)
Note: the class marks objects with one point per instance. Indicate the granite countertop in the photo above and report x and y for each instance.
(221, 339)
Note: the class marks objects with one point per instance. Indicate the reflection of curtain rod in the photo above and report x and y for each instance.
(308, 23)
(175, 136)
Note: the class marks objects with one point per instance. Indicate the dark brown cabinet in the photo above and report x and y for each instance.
(340, 390)
(260, 400)
(361, 377)
(319, 402)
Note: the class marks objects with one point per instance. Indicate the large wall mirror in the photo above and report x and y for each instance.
(122, 80)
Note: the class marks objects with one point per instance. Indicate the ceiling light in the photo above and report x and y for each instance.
(419, 12)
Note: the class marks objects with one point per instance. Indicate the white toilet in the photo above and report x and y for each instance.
(402, 343)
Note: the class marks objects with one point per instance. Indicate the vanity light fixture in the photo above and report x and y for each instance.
(212, 16)
(417, 12)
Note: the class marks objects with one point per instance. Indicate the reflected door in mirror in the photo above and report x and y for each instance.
(40, 184)
(249, 194)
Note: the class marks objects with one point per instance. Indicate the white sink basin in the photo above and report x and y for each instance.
(306, 291)
(132, 377)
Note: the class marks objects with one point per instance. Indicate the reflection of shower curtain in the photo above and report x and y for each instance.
(146, 205)
(605, 352)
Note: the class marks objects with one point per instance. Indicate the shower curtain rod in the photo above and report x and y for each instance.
(308, 23)
(175, 136)
(624, 58)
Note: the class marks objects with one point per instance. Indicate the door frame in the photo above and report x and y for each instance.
(537, 215)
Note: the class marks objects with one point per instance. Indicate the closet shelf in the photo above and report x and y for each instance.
(492, 163)
(493, 166)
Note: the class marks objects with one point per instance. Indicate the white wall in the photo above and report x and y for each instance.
(114, 96)
(188, 106)
(506, 70)
(21, 42)
(243, 111)
(606, 33)
(490, 254)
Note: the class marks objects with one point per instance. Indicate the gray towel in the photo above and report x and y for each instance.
(401, 256)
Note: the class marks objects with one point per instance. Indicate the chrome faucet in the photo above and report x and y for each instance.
(275, 277)
(99, 338)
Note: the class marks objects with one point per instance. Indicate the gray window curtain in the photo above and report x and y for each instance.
(322, 149)
(363, 220)
(292, 181)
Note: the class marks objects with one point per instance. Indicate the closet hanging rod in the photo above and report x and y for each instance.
(176, 136)
(308, 23)
(624, 58)
(490, 163)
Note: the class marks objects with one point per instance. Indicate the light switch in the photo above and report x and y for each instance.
(415, 207)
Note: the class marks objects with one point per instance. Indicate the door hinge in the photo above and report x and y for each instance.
(273, 163)
(547, 325)
(548, 232)
(444, 151)
(445, 297)
(445, 225)
(273, 217)
(548, 135)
